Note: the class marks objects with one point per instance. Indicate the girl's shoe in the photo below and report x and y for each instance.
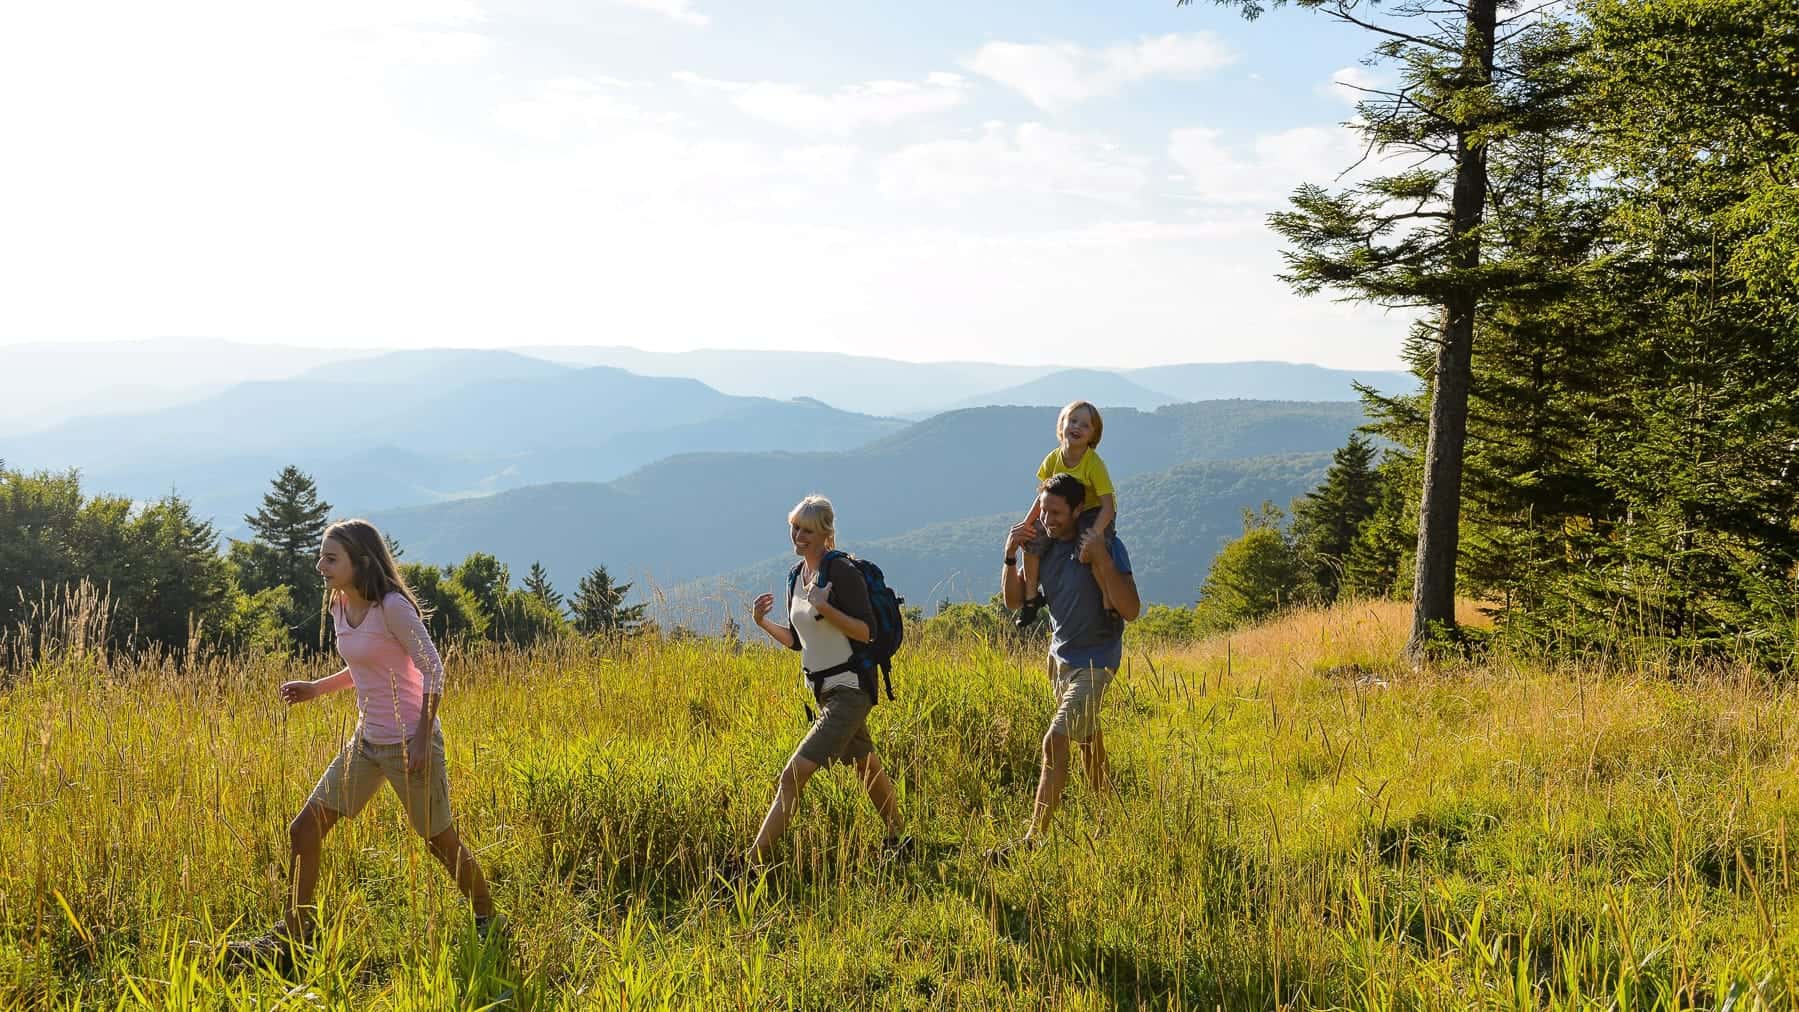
(1028, 613)
(896, 847)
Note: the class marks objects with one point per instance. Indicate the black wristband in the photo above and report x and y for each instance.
(1011, 560)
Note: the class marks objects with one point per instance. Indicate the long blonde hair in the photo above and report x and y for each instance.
(377, 574)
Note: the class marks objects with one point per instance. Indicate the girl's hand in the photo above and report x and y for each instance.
(418, 751)
(762, 606)
(819, 596)
(1021, 534)
(298, 692)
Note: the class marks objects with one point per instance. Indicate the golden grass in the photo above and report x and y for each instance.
(1301, 821)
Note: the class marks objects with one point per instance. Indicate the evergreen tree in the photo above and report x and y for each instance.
(598, 605)
(451, 613)
(291, 522)
(1253, 577)
(486, 579)
(537, 584)
(1414, 239)
(1327, 520)
(289, 526)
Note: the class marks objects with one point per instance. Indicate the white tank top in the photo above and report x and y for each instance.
(822, 645)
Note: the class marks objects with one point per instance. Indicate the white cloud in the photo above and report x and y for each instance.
(1056, 75)
(1265, 170)
(1030, 158)
(566, 106)
(1345, 84)
(680, 10)
(871, 103)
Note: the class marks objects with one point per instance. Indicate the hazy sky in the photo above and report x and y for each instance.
(1076, 181)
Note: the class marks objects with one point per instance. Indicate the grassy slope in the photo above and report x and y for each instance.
(1288, 829)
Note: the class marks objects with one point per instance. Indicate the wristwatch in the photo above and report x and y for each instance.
(1011, 560)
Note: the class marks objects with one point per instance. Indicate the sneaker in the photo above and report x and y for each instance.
(1006, 853)
(274, 947)
(896, 847)
(492, 926)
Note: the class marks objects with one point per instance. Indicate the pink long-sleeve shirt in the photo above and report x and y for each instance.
(392, 664)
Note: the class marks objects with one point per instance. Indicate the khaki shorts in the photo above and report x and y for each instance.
(1078, 692)
(840, 734)
(357, 772)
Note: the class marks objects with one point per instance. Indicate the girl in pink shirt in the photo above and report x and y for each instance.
(390, 661)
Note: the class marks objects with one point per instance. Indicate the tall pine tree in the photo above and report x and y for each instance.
(289, 526)
(537, 584)
(1327, 519)
(598, 605)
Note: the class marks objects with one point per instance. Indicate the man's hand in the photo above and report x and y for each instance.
(298, 692)
(1093, 548)
(418, 751)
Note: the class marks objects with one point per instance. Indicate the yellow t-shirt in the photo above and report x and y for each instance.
(1094, 478)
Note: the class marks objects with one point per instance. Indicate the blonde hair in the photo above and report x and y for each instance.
(377, 574)
(816, 514)
(1099, 425)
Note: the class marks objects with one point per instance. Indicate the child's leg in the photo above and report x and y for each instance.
(454, 855)
(1031, 565)
(1084, 523)
(306, 839)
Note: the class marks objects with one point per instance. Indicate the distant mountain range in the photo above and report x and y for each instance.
(915, 390)
(686, 474)
(45, 384)
(416, 427)
(697, 515)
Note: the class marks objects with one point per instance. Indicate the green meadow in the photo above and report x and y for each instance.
(1298, 822)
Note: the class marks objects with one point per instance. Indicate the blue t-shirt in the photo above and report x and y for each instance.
(1080, 633)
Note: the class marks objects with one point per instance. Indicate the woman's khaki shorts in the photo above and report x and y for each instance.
(840, 735)
(1078, 692)
(357, 772)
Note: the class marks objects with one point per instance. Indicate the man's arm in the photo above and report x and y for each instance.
(1011, 581)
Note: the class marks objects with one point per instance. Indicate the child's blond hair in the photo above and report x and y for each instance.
(1099, 425)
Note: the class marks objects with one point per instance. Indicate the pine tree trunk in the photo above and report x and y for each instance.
(1439, 513)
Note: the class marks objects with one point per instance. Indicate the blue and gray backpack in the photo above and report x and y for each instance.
(889, 627)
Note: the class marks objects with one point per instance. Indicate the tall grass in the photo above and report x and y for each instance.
(1298, 823)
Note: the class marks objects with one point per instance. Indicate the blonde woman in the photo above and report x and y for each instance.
(828, 618)
(390, 661)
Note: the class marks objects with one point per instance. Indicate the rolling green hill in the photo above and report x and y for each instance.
(699, 515)
(1173, 522)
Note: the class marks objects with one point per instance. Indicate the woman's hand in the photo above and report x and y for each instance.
(819, 596)
(762, 606)
(298, 692)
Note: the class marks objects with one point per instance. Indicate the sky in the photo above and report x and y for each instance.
(1062, 182)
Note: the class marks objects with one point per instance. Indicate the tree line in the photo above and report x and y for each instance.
(1594, 206)
(169, 582)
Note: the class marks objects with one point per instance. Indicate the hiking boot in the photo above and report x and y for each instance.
(1028, 613)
